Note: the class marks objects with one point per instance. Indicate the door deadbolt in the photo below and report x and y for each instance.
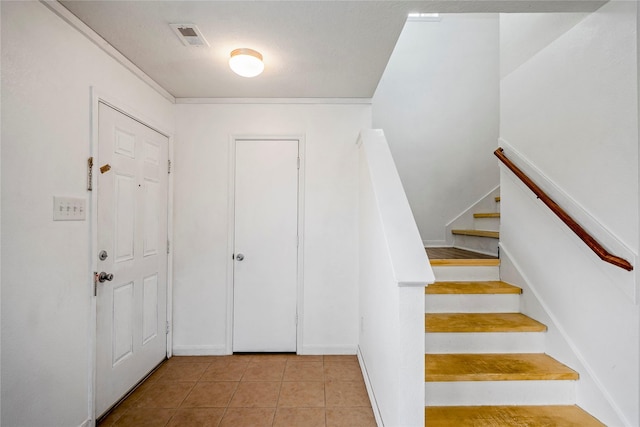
(103, 255)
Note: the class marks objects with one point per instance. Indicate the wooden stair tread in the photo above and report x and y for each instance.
(465, 262)
(477, 233)
(522, 416)
(487, 215)
(489, 287)
(495, 367)
(481, 322)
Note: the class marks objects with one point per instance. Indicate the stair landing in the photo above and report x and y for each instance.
(455, 253)
(477, 233)
(521, 416)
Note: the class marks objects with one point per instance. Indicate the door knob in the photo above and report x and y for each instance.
(239, 257)
(105, 277)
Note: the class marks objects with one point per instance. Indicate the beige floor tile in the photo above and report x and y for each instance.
(210, 395)
(305, 358)
(194, 359)
(124, 406)
(197, 417)
(299, 394)
(110, 420)
(164, 395)
(248, 417)
(346, 393)
(342, 371)
(300, 417)
(256, 395)
(145, 417)
(158, 372)
(350, 417)
(154, 376)
(284, 390)
(229, 370)
(268, 370)
(303, 371)
(340, 358)
(272, 357)
(223, 360)
(185, 371)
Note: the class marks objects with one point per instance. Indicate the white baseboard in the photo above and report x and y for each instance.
(435, 243)
(372, 396)
(327, 349)
(221, 350)
(200, 350)
(86, 423)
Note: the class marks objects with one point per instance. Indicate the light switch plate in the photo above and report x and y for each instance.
(69, 209)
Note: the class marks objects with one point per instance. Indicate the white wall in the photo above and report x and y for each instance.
(437, 102)
(523, 35)
(330, 299)
(582, 93)
(47, 71)
(571, 111)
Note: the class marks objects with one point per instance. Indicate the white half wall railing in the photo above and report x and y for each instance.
(393, 271)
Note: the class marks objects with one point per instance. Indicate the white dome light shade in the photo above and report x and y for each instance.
(246, 62)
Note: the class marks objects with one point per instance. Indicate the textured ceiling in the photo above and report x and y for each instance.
(311, 49)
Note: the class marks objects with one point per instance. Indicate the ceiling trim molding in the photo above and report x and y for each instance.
(84, 29)
(309, 101)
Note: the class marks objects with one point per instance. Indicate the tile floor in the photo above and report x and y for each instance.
(249, 390)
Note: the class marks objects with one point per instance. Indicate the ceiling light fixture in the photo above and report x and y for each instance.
(246, 62)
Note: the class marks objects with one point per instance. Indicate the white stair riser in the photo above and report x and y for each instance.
(475, 273)
(468, 393)
(486, 342)
(466, 303)
(491, 224)
(485, 245)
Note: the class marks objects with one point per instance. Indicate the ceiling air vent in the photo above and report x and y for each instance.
(189, 35)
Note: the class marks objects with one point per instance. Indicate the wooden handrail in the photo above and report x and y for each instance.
(571, 223)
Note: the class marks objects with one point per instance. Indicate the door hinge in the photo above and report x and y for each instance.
(168, 246)
(298, 162)
(90, 174)
(168, 328)
(168, 166)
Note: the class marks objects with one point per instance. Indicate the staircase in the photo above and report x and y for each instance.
(484, 235)
(484, 361)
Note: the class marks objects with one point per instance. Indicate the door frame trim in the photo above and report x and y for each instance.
(98, 97)
(231, 231)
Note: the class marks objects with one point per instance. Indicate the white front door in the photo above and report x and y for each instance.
(132, 245)
(266, 254)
